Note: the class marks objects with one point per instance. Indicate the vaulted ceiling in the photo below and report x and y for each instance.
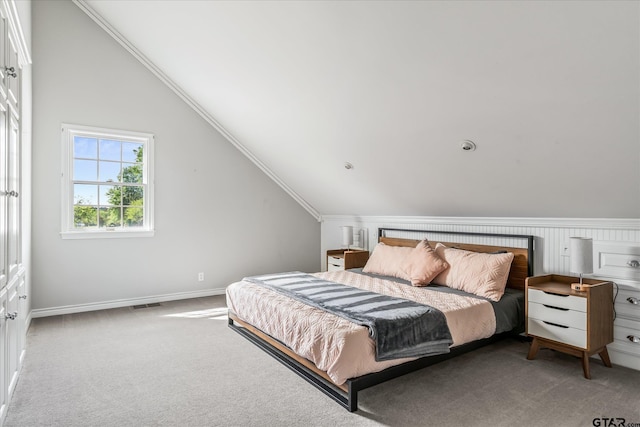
(548, 91)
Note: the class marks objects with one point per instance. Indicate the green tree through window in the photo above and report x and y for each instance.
(128, 200)
(84, 216)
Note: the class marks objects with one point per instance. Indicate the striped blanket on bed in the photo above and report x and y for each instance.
(399, 327)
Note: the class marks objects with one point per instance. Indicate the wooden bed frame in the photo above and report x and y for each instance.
(347, 394)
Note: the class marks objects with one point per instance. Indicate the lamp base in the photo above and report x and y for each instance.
(580, 287)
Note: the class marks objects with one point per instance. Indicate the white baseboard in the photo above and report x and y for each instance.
(624, 359)
(79, 308)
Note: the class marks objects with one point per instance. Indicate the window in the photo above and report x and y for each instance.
(107, 183)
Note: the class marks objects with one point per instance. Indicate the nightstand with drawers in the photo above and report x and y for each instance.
(573, 322)
(342, 259)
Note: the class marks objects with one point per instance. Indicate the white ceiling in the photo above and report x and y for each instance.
(549, 92)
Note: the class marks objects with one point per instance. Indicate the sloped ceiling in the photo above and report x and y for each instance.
(548, 91)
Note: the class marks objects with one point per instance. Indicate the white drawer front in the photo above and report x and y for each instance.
(566, 335)
(562, 301)
(565, 317)
(335, 260)
(331, 267)
(628, 303)
(617, 260)
(626, 337)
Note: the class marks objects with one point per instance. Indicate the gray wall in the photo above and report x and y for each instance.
(214, 210)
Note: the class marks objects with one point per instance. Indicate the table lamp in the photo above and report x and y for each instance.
(581, 250)
(347, 236)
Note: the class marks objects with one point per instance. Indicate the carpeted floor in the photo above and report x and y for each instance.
(179, 364)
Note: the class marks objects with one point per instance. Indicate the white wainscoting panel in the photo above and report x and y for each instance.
(551, 235)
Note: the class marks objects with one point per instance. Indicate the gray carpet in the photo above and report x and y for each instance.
(180, 365)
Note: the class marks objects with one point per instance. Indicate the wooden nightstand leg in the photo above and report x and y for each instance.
(533, 349)
(604, 355)
(585, 365)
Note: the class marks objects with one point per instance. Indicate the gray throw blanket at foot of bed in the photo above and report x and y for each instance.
(399, 327)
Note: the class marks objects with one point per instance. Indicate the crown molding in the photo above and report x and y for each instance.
(600, 223)
(98, 19)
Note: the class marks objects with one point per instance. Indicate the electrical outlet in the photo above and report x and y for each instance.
(565, 249)
(200, 277)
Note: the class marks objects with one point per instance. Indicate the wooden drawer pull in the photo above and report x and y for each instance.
(633, 300)
(556, 308)
(633, 339)
(555, 324)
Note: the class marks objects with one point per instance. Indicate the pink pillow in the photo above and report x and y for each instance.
(481, 274)
(423, 264)
(388, 261)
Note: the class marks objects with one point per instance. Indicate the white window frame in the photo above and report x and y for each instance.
(68, 230)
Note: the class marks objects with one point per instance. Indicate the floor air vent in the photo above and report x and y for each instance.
(153, 304)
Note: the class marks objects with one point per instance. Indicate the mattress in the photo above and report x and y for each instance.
(345, 350)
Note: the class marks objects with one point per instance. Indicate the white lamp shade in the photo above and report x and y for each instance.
(581, 250)
(347, 235)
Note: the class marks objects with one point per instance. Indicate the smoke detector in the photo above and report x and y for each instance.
(467, 145)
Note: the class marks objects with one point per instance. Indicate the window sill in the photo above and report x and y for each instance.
(71, 235)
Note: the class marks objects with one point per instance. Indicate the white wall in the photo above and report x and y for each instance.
(215, 212)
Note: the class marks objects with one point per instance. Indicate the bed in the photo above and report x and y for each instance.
(341, 357)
